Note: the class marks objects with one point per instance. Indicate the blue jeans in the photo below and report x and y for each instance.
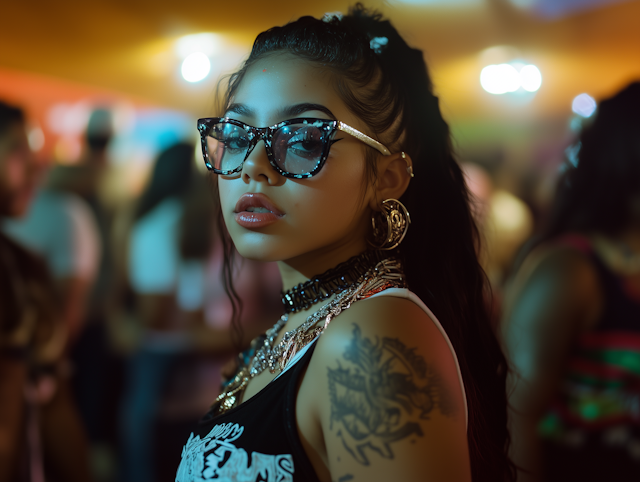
(145, 381)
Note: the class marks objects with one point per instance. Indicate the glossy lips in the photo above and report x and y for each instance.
(248, 218)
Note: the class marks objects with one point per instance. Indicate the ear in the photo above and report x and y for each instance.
(394, 174)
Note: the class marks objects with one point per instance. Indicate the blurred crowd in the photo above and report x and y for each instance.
(115, 321)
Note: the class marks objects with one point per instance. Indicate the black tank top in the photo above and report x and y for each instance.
(255, 441)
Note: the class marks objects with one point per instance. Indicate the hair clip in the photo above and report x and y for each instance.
(377, 43)
(409, 166)
(331, 16)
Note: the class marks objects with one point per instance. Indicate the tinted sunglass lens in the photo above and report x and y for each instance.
(298, 148)
(227, 146)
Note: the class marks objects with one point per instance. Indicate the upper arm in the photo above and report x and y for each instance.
(553, 297)
(85, 242)
(153, 253)
(388, 397)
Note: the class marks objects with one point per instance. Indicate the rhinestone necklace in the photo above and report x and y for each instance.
(387, 273)
(336, 279)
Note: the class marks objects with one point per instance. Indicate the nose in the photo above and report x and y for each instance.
(257, 167)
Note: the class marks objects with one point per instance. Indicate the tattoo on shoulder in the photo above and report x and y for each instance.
(381, 394)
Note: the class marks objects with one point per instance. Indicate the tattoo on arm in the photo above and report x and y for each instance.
(381, 394)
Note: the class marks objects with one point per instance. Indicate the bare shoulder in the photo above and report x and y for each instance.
(388, 393)
(391, 317)
(560, 265)
(561, 276)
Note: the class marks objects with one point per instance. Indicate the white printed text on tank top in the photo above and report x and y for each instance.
(215, 457)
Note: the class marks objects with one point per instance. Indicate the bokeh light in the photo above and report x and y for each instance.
(584, 105)
(499, 79)
(208, 43)
(195, 67)
(68, 118)
(36, 138)
(504, 78)
(530, 78)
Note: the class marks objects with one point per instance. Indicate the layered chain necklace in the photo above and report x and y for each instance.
(358, 278)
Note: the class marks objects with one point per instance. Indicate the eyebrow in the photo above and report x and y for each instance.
(240, 109)
(289, 111)
(295, 110)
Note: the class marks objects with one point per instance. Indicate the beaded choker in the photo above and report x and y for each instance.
(334, 280)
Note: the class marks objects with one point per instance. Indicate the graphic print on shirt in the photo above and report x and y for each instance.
(215, 457)
(382, 396)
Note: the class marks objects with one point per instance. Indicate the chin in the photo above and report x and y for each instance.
(258, 252)
(261, 247)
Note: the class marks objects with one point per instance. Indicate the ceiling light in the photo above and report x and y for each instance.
(195, 67)
(208, 43)
(530, 78)
(504, 78)
(584, 105)
(499, 79)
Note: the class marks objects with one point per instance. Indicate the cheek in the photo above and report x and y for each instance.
(334, 200)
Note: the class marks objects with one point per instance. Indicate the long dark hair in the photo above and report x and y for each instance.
(390, 90)
(595, 192)
(171, 177)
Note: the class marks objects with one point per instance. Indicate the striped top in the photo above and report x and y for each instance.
(601, 384)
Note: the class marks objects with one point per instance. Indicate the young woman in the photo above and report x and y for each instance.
(572, 314)
(358, 380)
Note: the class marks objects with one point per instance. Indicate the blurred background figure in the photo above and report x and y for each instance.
(61, 228)
(505, 222)
(172, 262)
(68, 225)
(157, 276)
(41, 435)
(572, 313)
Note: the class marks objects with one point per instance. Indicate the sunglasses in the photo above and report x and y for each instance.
(296, 148)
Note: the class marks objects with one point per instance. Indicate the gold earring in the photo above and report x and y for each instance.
(390, 225)
(409, 166)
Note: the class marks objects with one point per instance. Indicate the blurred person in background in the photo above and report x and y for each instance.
(155, 275)
(40, 433)
(97, 367)
(505, 222)
(68, 226)
(61, 229)
(182, 313)
(193, 380)
(572, 314)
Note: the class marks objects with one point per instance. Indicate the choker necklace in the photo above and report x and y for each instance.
(264, 354)
(320, 287)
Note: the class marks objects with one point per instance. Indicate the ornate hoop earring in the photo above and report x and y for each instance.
(390, 225)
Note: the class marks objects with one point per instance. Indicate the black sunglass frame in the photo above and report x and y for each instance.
(256, 134)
